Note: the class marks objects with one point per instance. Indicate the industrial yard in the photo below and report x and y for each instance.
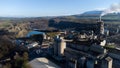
(60, 34)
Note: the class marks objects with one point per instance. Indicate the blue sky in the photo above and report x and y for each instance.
(36, 8)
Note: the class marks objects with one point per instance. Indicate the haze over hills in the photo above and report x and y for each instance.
(96, 14)
(93, 12)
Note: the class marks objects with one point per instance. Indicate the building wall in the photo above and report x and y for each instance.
(107, 63)
(78, 47)
(61, 47)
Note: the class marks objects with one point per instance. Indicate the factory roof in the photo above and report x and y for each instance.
(34, 33)
(42, 63)
(108, 58)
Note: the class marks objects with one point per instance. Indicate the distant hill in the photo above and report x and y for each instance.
(95, 15)
(44, 22)
(96, 12)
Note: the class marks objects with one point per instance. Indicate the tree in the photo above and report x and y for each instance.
(25, 60)
(25, 57)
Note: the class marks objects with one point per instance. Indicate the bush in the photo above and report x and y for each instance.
(110, 46)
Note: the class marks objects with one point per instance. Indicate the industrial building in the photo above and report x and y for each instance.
(42, 63)
(84, 50)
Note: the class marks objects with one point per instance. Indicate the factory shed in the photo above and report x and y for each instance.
(42, 63)
(35, 33)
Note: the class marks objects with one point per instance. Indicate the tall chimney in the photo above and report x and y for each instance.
(101, 27)
(100, 18)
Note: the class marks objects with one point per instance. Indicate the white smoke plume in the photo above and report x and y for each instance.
(114, 8)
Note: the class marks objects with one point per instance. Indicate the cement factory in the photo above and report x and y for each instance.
(79, 49)
(84, 50)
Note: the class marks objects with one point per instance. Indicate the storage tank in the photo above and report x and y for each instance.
(56, 41)
(61, 46)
